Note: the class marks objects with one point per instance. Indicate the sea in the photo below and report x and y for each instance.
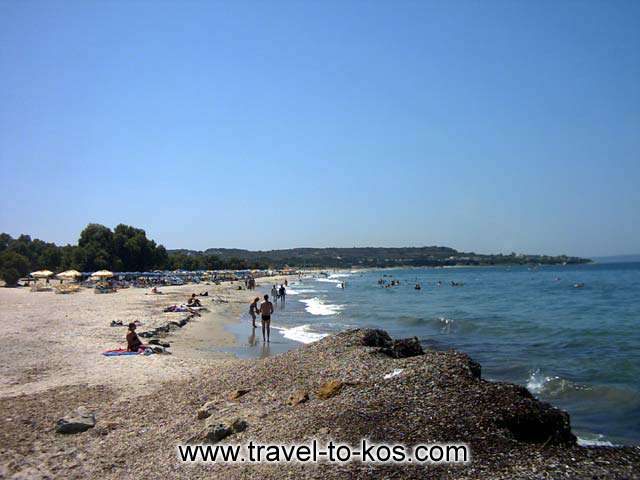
(569, 334)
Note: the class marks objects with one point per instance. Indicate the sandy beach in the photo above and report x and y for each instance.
(49, 340)
(50, 352)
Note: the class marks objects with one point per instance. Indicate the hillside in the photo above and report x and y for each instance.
(376, 257)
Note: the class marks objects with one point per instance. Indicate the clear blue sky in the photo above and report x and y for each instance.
(481, 125)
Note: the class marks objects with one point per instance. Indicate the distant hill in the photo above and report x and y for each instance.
(617, 259)
(375, 257)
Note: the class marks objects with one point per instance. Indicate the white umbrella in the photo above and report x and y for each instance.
(102, 274)
(41, 274)
(69, 274)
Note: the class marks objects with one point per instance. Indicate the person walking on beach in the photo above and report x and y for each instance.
(274, 293)
(266, 310)
(282, 293)
(253, 309)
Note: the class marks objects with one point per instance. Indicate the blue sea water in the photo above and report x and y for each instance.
(577, 348)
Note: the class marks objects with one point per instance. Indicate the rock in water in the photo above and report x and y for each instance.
(298, 397)
(330, 389)
(79, 422)
(406, 347)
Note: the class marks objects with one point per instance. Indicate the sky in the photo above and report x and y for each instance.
(486, 126)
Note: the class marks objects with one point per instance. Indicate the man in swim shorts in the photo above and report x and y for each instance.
(266, 310)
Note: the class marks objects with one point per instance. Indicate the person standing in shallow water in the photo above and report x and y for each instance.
(253, 309)
(266, 310)
(282, 293)
(274, 293)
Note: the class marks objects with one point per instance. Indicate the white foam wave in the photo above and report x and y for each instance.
(537, 381)
(301, 334)
(315, 306)
(595, 442)
(339, 275)
(291, 291)
(328, 280)
(446, 324)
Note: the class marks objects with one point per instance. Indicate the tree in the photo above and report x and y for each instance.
(12, 267)
(96, 247)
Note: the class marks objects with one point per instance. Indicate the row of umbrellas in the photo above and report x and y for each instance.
(71, 274)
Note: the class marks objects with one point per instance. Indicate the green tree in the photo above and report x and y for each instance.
(13, 266)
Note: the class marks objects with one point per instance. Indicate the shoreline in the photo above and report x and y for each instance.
(148, 404)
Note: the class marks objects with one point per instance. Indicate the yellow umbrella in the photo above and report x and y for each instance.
(69, 274)
(102, 274)
(41, 274)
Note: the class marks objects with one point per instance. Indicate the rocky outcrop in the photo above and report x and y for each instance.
(404, 348)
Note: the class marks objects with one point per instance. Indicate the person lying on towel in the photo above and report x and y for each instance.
(133, 341)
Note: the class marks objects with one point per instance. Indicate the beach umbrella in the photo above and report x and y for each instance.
(102, 274)
(41, 274)
(69, 274)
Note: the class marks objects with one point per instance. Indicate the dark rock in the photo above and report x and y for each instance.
(375, 338)
(79, 422)
(406, 347)
(532, 421)
(474, 368)
(219, 430)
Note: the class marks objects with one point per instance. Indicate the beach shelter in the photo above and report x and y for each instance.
(102, 274)
(69, 275)
(42, 274)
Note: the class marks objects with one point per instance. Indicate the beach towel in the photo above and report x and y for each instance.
(122, 351)
(116, 353)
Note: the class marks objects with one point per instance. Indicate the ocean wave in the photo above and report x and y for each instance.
(595, 442)
(444, 324)
(301, 334)
(316, 306)
(537, 382)
(554, 386)
(328, 280)
(339, 275)
(291, 291)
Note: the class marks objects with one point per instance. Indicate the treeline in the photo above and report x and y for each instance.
(123, 249)
(433, 256)
(127, 249)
